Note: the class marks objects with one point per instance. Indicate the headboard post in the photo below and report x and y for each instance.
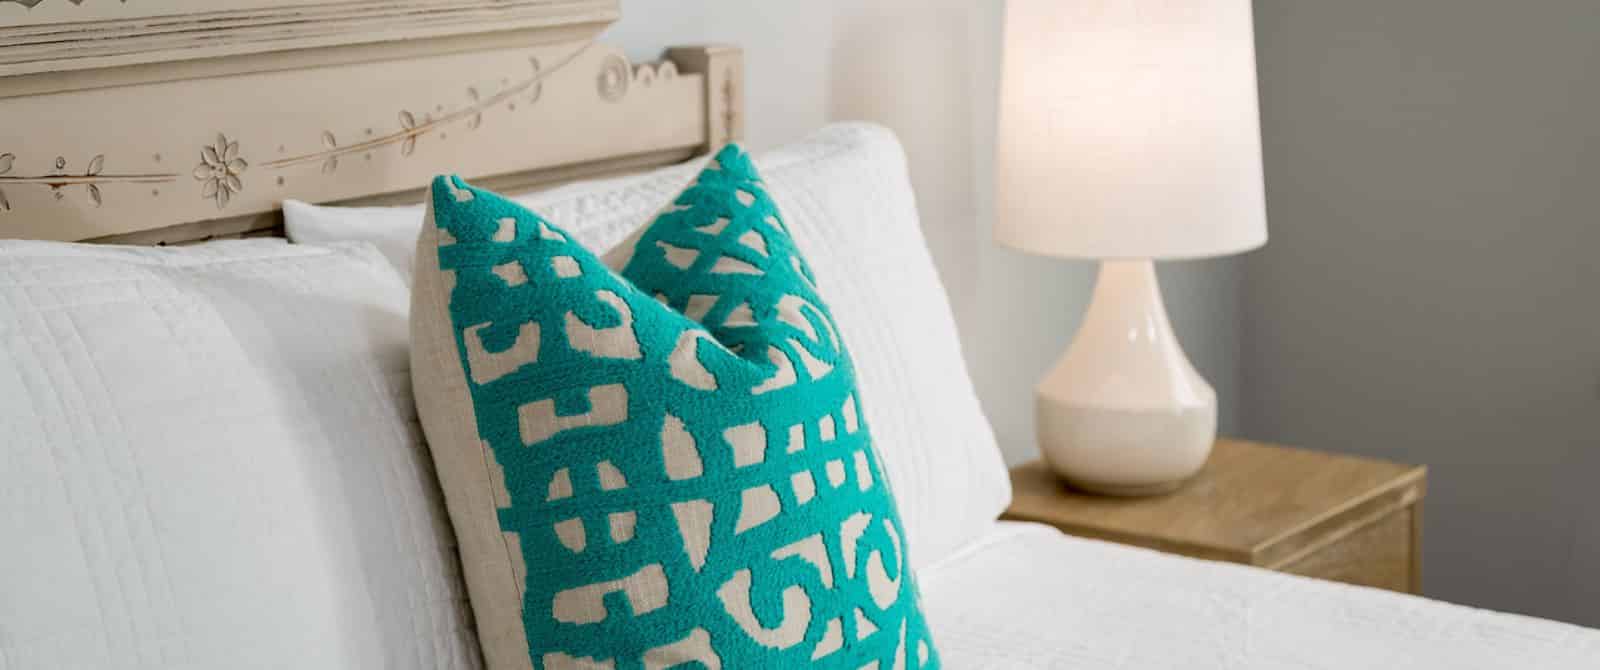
(723, 67)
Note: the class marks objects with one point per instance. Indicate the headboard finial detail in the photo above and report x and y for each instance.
(723, 68)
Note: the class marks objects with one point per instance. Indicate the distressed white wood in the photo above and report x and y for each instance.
(186, 150)
(723, 67)
(57, 35)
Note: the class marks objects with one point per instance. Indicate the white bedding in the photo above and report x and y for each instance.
(209, 459)
(1027, 596)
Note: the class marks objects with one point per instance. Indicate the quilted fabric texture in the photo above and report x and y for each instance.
(679, 464)
(1027, 596)
(846, 196)
(209, 458)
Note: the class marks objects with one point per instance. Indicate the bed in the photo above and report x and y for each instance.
(1026, 596)
(191, 121)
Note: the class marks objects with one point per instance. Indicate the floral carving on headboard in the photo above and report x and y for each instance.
(222, 165)
(413, 127)
(220, 170)
(30, 4)
(57, 179)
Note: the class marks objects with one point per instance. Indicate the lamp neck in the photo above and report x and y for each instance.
(1127, 303)
(1125, 353)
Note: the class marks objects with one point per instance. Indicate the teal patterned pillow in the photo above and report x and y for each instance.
(675, 457)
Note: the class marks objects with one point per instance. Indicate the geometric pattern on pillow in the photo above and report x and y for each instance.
(677, 455)
(845, 189)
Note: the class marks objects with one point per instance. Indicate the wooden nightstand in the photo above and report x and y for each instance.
(1347, 519)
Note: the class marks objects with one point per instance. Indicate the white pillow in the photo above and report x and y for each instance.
(607, 208)
(209, 459)
(847, 196)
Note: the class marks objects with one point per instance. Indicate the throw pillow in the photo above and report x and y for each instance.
(845, 193)
(663, 468)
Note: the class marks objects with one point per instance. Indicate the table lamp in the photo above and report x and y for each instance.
(1129, 132)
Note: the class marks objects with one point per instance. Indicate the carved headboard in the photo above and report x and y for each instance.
(162, 122)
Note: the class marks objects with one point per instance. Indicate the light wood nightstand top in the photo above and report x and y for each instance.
(1270, 506)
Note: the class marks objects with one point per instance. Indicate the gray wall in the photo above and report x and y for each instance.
(1431, 292)
(929, 70)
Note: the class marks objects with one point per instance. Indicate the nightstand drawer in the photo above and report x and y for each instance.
(1382, 554)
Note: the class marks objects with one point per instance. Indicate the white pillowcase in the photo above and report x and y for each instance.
(847, 196)
(391, 229)
(209, 458)
(607, 208)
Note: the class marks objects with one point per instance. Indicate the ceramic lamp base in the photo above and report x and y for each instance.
(1124, 412)
(1125, 453)
(1117, 491)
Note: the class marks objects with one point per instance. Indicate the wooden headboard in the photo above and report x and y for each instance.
(164, 122)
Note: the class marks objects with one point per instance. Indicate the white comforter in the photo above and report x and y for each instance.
(1027, 596)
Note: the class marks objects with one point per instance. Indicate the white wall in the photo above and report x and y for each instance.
(1432, 289)
(929, 70)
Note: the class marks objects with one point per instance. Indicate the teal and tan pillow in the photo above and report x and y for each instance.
(663, 466)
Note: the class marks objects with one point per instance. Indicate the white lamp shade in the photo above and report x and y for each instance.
(1129, 129)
